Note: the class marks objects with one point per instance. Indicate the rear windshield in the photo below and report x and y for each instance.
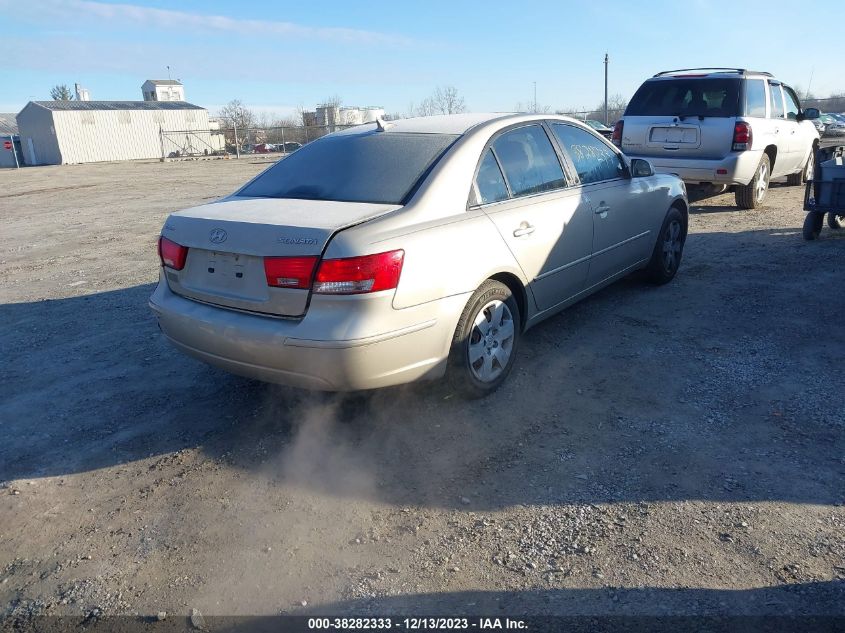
(380, 167)
(686, 97)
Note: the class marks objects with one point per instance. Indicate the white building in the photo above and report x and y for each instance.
(163, 90)
(331, 115)
(63, 132)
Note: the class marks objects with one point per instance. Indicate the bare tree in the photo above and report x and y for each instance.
(426, 108)
(444, 100)
(448, 101)
(237, 113)
(334, 101)
(61, 93)
(532, 108)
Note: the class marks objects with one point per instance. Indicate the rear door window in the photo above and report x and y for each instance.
(776, 101)
(791, 102)
(686, 97)
(529, 161)
(489, 183)
(593, 159)
(755, 98)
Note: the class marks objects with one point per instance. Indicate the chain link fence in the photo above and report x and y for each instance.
(234, 142)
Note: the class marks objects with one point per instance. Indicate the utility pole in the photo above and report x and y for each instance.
(535, 97)
(606, 60)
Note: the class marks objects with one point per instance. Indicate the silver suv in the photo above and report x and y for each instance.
(722, 127)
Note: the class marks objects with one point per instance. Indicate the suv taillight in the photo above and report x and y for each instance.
(616, 137)
(742, 137)
(358, 275)
(172, 255)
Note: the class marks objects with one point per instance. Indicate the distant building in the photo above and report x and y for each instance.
(332, 115)
(62, 132)
(82, 94)
(163, 90)
(9, 132)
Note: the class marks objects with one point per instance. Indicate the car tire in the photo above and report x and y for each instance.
(795, 180)
(485, 341)
(836, 221)
(752, 195)
(813, 226)
(668, 250)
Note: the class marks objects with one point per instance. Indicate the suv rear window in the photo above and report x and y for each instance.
(686, 97)
(380, 167)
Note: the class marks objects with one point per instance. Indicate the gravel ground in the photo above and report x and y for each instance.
(656, 450)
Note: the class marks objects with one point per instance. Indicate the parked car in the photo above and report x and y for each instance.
(819, 125)
(291, 146)
(389, 252)
(834, 124)
(600, 127)
(721, 126)
(264, 148)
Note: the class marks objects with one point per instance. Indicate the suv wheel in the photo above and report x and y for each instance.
(751, 196)
(794, 180)
(485, 341)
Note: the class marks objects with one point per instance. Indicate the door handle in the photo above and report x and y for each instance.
(602, 209)
(524, 229)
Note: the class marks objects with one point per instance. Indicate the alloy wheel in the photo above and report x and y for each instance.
(672, 245)
(762, 182)
(491, 341)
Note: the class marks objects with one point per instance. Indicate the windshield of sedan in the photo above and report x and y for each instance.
(377, 167)
(686, 97)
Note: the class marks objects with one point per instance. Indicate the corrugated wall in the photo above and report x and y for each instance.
(89, 136)
(38, 136)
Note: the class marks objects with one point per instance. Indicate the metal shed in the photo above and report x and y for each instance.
(63, 132)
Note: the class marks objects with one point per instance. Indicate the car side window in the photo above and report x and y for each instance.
(529, 161)
(594, 160)
(755, 98)
(791, 102)
(489, 182)
(776, 101)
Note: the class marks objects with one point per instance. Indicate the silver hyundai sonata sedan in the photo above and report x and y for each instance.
(398, 251)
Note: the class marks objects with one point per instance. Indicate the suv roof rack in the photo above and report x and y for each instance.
(739, 71)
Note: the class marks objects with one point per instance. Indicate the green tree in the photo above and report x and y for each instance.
(61, 93)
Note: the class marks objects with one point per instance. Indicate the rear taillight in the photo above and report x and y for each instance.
(616, 137)
(742, 137)
(172, 255)
(357, 275)
(289, 272)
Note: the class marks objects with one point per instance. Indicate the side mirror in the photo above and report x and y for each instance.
(641, 168)
(811, 113)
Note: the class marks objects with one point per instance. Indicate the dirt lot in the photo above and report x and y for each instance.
(657, 450)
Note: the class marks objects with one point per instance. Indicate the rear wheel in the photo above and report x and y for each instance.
(485, 341)
(666, 257)
(813, 226)
(751, 196)
(804, 175)
(836, 221)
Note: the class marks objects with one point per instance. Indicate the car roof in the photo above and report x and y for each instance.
(456, 124)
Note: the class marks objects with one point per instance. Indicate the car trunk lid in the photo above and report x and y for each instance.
(227, 242)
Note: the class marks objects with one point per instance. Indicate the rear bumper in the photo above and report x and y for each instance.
(738, 167)
(333, 348)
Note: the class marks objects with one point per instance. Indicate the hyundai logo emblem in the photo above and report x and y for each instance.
(217, 236)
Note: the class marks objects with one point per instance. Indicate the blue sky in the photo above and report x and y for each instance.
(276, 56)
